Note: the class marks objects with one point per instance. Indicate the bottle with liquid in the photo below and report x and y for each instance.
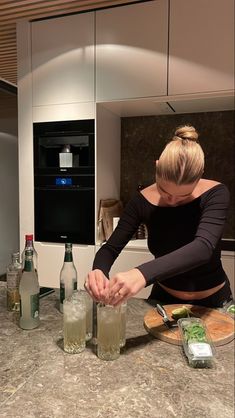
(14, 272)
(29, 294)
(141, 232)
(29, 246)
(68, 276)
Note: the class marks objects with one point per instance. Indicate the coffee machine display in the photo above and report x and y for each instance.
(64, 182)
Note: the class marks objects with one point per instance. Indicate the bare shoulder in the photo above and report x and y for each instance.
(151, 194)
(204, 185)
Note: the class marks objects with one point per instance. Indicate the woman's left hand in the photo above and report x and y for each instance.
(125, 285)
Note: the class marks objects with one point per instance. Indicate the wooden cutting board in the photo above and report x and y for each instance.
(220, 325)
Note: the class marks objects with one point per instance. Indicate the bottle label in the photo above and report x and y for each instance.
(200, 349)
(34, 302)
(13, 279)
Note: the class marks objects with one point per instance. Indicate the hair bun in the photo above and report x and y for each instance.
(186, 132)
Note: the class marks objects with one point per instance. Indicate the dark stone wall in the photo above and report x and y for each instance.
(143, 139)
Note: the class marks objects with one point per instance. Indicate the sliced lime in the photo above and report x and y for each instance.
(231, 309)
(182, 312)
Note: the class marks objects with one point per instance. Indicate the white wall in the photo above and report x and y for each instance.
(9, 189)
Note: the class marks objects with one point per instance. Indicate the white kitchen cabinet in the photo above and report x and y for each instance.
(228, 262)
(63, 60)
(51, 258)
(131, 51)
(201, 46)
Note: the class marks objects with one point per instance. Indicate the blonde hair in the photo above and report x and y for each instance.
(182, 160)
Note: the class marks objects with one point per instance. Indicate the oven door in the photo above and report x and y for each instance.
(64, 215)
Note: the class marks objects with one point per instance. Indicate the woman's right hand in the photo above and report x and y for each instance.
(97, 285)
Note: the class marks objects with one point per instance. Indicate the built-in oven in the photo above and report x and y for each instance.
(64, 182)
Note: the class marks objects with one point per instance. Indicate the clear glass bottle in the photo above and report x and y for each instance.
(30, 246)
(68, 275)
(14, 273)
(29, 294)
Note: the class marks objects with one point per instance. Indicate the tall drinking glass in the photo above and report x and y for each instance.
(74, 317)
(123, 324)
(108, 332)
(89, 313)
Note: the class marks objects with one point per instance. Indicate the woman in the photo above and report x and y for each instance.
(185, 216)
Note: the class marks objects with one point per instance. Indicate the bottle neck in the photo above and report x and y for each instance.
(28, 265)
(68, 257)
(15, 258)
(28, 262)
(29, 243)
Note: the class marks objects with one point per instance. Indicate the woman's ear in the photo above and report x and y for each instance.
(156, 163)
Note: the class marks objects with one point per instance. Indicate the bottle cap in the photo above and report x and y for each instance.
(29, 237)
(16, 254)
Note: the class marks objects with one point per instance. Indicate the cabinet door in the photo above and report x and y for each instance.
(131, 51)
(201, 46)
(228, 262)
(50, 261)
(63, 60)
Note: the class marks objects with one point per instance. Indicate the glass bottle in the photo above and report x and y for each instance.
(14, 272)
(29, 294)
(68, 276)
(29, 246)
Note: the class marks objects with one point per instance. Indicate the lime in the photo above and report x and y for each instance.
(231, 309)
(182, 312)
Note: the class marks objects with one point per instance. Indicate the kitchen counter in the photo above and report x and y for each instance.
(151, 379)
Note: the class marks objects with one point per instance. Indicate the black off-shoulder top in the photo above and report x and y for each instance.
(184, 240)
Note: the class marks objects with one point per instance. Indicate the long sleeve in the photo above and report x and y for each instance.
(182, 248)
(199, 251)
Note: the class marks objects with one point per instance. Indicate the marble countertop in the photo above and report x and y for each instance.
(151, 379)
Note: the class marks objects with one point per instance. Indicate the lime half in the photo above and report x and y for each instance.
(231, 309)
(182, 312)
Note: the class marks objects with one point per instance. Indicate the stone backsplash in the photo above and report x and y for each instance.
(143, 139)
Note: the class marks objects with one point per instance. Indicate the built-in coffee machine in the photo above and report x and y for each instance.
(64, 181)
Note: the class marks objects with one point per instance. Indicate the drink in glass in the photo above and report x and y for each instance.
(89, 314)
(123, 324)
(108, 332)
(74, 308)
